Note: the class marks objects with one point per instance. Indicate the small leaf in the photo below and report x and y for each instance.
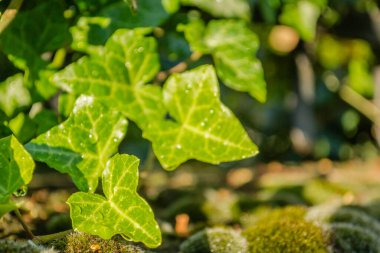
(16, 166)
(223, 8)
(13, 94)
(122, 211)
(233, 47)
(6, 206)
(171, 6)
(202, 127)
(303, 16)
(82, 144)
(117, 77)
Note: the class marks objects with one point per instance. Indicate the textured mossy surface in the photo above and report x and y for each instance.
(285, 231)
(215, 240)
(8, 246)
(84, 243)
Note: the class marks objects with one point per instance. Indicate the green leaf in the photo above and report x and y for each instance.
(13, 94)
(171, 6)
(122, 211)
(34, 32)
(22, 127)
(201, 126)
(82, 144)
(90, 33)
(149, 14)
(117, 77)
(16, 166)
(6, 206)
(233, 47)
(303, 16)
(223, 8)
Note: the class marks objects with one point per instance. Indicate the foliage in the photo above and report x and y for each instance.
(76, 74)
(212, 240)
(285, 230)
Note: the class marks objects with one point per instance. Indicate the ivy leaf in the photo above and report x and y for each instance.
(82, 144)
(233, 47)
(303, 16)
(6, 206)
(117, 77)
(223, 8)
(16, 166)
(90, 33)
(201, 127)
(171, 6)
(122, 211)
(19, 40)
(13, 94)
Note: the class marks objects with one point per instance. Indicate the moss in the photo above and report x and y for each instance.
(356, 216)
(84, 243)
(215, 240)
(285, 231)
(352, 238)
(7, 246)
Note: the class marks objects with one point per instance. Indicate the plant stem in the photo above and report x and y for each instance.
(50, 237)
(363, 105)
(9, 14)
(180, 67)
(23, 224)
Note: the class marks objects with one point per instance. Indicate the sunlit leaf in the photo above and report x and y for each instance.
(122, 211)
(223, 8)
(303, 16)
(16, 166)
(201, 127)
(171, 6)
(82, 144)
(233, 46)
(117, 77)
(13, 94)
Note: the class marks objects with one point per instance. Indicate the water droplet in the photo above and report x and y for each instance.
(178, 146)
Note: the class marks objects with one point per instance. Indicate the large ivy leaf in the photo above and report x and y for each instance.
(117, 76)
(13, 94)
(201, 126)
(82, 144)
(303, 16)
(34, 32)
(121, 211)
(16, 166)
(233, 47)
(223, 8)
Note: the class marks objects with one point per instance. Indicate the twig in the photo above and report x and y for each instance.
(364, 106)
(180, 67)
(23, 224)
(47, 238)
(9, 14)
